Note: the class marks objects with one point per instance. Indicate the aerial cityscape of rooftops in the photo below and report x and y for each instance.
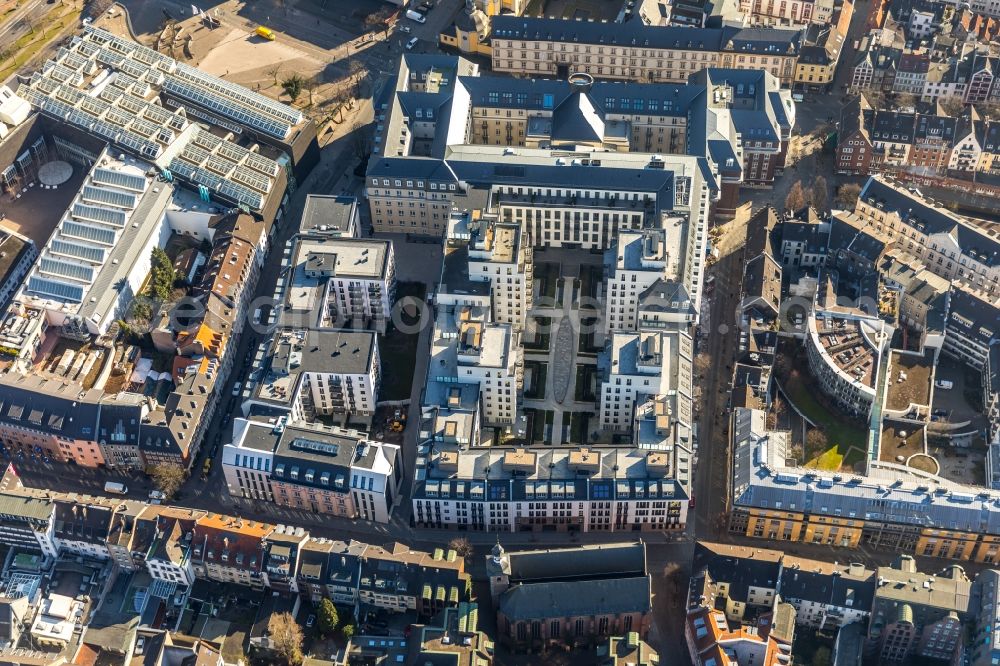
(645, 327)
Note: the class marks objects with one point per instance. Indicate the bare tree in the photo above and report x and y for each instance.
(907, 100)
(796, 198)
(356, 72)
(98, 7)
(273, 71)
(820, 195)
(360, 134)
(702, 363)
(286, 636)
(952, 106)
(847, 195)
(168, 477)
(461, 546)
(816, 441)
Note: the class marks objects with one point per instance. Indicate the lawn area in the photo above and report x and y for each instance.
(538, 371)
(590, 278)
(578, 423)
(839, 431)
(584, 377)
(546, 274)
(586, 336)
(836, 458)
(398, 350)
(543, 326)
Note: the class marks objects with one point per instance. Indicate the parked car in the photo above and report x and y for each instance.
(157, 495)
(411, 43)
(944, 384)
(405, 28)
(310, 621)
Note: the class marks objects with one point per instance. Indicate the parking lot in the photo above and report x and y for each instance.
(952, 403)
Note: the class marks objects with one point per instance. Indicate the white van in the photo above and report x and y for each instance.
(944, 384)
(115, 488)
(415, 16)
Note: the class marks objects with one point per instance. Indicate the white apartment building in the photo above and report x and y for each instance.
(639, 364)
(497, 255)
(641, 260)
(248, 459)
(468, 349)
(656, 281)
(346, 280)
(566, 489)
(335, 282)
(320, 372)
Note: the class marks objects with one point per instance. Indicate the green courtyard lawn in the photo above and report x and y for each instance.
(847, 441)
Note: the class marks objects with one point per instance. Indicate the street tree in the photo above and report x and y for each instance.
(273, 71)
(952, 106)
(461, 546)
(168, 477)
(847, 195)
(796, 198)
(286, 637)
(348, 631)
(327, 618)
(820, 195)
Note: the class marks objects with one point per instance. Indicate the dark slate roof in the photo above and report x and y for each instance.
(119, 424)
(79, 522)
(739, 572)
(638, 34)
(813, 235)
(586, 562)
(845, 591)
(321, 451)
(49, 407)
(576, 119)
(930, 220)
(976, 318)
(892, 126)
(657, 99)
(573, 599)
(936, 128)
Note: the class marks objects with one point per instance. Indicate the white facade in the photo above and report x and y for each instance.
(523, 494)
(638, 362)
(640, 261)
(248, 469)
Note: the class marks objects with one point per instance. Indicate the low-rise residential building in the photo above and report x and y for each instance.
(229, 550)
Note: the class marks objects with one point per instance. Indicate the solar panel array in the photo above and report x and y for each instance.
(78, 250)
(66, 269)
(219, 103)
(125, 181)
(92, 194)
(55, 289)
(110, 216)
(89, 232)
